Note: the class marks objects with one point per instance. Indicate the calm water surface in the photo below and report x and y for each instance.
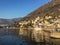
(9, 37)
(12, 40)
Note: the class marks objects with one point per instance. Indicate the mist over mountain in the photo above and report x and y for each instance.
(9, 21)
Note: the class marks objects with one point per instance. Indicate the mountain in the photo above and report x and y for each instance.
(9, 21)
(51, 8)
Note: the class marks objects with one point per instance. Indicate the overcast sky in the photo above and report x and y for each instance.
(19, 8)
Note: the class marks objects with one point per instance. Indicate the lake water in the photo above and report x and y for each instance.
(12, 40)
(11, 37)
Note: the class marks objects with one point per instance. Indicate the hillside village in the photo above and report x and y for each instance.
(40, 27)
(53, 22)
(46, 22)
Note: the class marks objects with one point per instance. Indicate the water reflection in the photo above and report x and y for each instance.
(12, 40)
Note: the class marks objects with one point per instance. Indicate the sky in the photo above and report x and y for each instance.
(19, 8)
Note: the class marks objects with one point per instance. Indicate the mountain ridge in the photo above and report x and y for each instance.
(9, 21)
(41, 11)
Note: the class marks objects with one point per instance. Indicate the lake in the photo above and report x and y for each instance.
(12, 37)
(12, 40)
